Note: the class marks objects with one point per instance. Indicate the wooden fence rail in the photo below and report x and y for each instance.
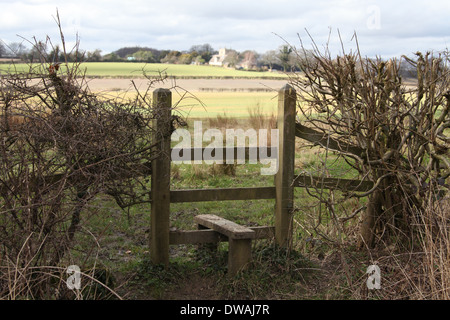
(239, 153)
(197, 195)
(319, 138)
(305, 181)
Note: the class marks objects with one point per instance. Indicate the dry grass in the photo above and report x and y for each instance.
(222, 122)
(435, 242)
(259, 120)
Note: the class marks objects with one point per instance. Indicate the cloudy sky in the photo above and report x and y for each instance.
(385, 27)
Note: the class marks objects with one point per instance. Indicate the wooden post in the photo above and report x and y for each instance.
(284, 178)
(160, 179)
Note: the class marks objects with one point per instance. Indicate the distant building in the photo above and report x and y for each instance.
(218, 59)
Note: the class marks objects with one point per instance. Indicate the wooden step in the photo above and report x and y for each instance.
(239, 239)
(226, 227)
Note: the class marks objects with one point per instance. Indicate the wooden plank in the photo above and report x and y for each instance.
(212, 236)
(229, 228)
(304, 181)
(198, 195)
(240, 153)
(320, 138)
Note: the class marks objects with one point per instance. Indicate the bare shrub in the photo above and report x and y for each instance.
(390, 134)
(61, 145)
(366, 118)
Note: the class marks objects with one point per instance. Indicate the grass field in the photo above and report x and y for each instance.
(233, 104)
(124, 69)
(211, 104)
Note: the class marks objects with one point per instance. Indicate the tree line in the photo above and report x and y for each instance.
(279, 59)
(284, 58)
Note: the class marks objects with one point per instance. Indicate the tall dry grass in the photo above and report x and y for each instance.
(435, 243)
(259, 120)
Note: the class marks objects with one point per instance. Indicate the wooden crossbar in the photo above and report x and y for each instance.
(212, 236)
(320, 138)
(237, 153)
(305, 181)
(196, 195)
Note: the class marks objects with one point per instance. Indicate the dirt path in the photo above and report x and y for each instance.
(187, 84)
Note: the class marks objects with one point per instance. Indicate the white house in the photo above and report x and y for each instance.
(217, 59)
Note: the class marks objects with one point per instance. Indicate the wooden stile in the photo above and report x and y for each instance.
(213, 229)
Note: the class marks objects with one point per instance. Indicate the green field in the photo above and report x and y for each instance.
(124, 69)
(233, 104)
(211, 104)
(178, 70)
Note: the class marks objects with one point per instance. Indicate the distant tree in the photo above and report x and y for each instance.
(94, 56)
(187, 58)
(270, 58)
(38, 51)
(407, 70)
(284, 56)
(163, 54)
(130, 51)
(205, 50)
(126, 51)
(199, 60)
(171, 57)
(232, 59)
(201, 48)
(2, 49)
(56, 55)
(111, 57)
(248, 59)
(144, 56)
(17, 49)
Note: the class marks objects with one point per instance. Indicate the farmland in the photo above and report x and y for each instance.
(203, 97)
(135, 70)
(207, 91)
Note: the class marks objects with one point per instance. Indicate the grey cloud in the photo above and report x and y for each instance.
(108, 25)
